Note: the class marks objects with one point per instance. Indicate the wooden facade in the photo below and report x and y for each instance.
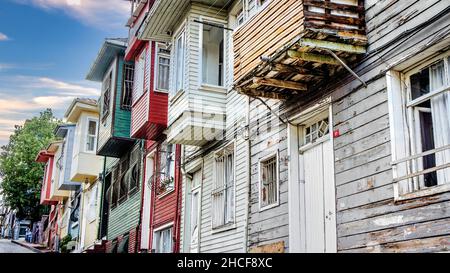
(369, 216)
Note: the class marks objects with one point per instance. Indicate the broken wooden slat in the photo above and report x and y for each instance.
(262, 94)
(312, 57)
(257, 82)
(314, 43)
(284, 68)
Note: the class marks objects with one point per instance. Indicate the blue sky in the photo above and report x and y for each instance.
(46, 49)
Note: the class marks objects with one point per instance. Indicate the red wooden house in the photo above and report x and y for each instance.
(46, 158)
(161, 202)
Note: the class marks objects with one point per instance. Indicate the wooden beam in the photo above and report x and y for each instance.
(314, 43)
(262, 94)
(284, 68)
(257, 82)
(312, 57)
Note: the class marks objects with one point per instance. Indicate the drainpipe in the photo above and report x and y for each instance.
(247, 211)
(141, 209)
(100, 214)
(178, 185)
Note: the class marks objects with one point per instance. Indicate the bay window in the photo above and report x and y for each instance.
(139, 76)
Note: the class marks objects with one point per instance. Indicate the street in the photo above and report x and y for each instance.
(6, 246)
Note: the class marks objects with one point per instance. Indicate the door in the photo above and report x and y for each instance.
(195, 211)
(316, 160)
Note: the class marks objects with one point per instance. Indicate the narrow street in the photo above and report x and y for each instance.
(6, 246)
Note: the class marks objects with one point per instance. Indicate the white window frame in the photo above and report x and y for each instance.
(181, 34)
(93, 202)
(260, 162)
(402, 127)
(225, 54)
(156, 243)
(246, 14)
(87, 135)
(156, 72)
(232, 224)
(195, 214)
(139, 76)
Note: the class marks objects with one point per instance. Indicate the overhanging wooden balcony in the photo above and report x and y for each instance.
(293, 45)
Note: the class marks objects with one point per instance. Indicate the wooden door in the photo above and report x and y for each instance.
(317, 164)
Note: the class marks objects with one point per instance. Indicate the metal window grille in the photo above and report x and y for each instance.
(128, 81)
(223, 189)
(269, 185)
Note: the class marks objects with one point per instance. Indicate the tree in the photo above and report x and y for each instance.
(22, 176)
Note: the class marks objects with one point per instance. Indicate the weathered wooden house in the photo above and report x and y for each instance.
(121, 178)
(205, 117)
(160, 212)
(348, 125)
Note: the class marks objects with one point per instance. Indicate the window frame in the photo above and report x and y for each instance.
(260, 166)
(156, 238)
(123, 106)
(175, 90)
(165, 146)
(156, 72)
(140, 86)
(87, 135)
(224, 52)
(232, 224)
(403, 127)
(107, 91)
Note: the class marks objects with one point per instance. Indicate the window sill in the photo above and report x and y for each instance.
(162, 91)
(213, 88)
(224, 228)
(261, 209)
(161, 196)
(177, 95)
(424, 192)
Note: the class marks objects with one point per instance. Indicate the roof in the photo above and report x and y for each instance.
(61, 130)
(110, 49)
(78, 105)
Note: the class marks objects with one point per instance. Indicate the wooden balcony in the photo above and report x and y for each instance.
(292, 45)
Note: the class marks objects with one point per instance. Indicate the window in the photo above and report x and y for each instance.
(163, 68)
(423, 112)
(115, 187)
(222, 196)
(213, 55)
(126, 176)
(268, 185)
(139, 77)
(91, 138)
(92, 214)
(128, 79)
(106, 95)
(166, 169)
(194, 214)
(163, 241)
(316, 131)
(179, 62)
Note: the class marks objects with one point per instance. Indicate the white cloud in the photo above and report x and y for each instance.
(102, 13)
(3, 37)
(25, 96)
